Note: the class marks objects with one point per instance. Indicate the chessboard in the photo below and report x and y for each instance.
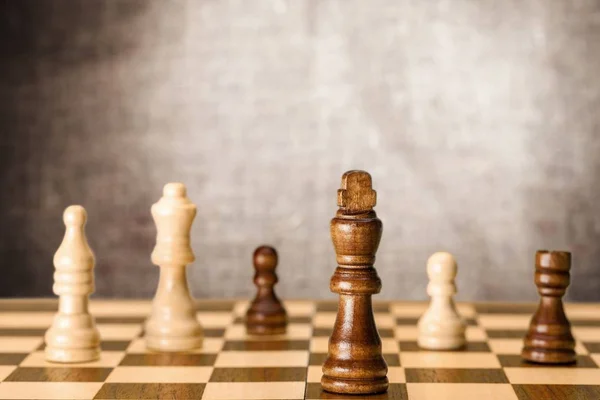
(232, 365)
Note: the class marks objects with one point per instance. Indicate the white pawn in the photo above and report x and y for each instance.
(441, 328)
(73, 336)
(173, 325)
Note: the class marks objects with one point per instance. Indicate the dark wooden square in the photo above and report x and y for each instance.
(12, 358)
(108, 345)
(214, 332)
(30, 305)
(471, 347)
(22, 331)
(506, 333)
(593, 323)
(412, 321)
(291, 320)
(168, 359)
(265, 345)
(256, 374)
(392, 360)
(59, 374)
(321, 332)
(327, 305)
(215, 305)
(503, 308)
(515, 360)
(592, 347)
(121, 320)
(317, 358)
(455, 375)
(137, 391)
(557, 392)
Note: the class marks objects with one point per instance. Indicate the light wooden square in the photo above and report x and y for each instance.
(19, 344)
(514, 346)
(384, 320)
(154, 374)
(296, 358)
(473, 333)
(6, 370)
(299, 308)
(396, 375)
(462, 391)
(416, 309)
(116, 308)
(504, 321)
(389, 345)
(240, 308)
(406, 332)
(209, 346)
(30, 319)
(466, 310)
(216, 319)
(119, 331)
(253, 390)
(448, 359)
(294, 308)
(408, 309)
(49, 390)
(553, 376)
(319, 344)
(294, 331)
(314, 374)
(107, 359)
(324, 319)
(586, 334)
(581, 311)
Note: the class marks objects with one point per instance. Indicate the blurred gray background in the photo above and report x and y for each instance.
(478, 121)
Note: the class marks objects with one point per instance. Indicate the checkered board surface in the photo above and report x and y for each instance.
(232, 365)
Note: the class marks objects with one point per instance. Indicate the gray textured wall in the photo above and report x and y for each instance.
(478, 120)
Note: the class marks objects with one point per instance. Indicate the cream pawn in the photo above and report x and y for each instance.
(173, 326)
(441, 327)
(73, 336)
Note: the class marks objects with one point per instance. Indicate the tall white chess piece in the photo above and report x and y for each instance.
(173, 325)
(73, 336)
(441, 327)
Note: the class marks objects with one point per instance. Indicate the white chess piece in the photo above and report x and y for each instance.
(173, 325)
(73, 336)
(441, 327)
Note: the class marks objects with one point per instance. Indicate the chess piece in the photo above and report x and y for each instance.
(173, 325)
(549, 339)
(266, 315)
(73, 336)
(440, 327)
(354, 363)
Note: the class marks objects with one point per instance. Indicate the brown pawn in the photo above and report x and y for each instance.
(549, 339)
(266, 315)
(354, 364)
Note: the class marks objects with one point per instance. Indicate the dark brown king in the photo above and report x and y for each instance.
(354, 364)
(266, 315)
(549, 339)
